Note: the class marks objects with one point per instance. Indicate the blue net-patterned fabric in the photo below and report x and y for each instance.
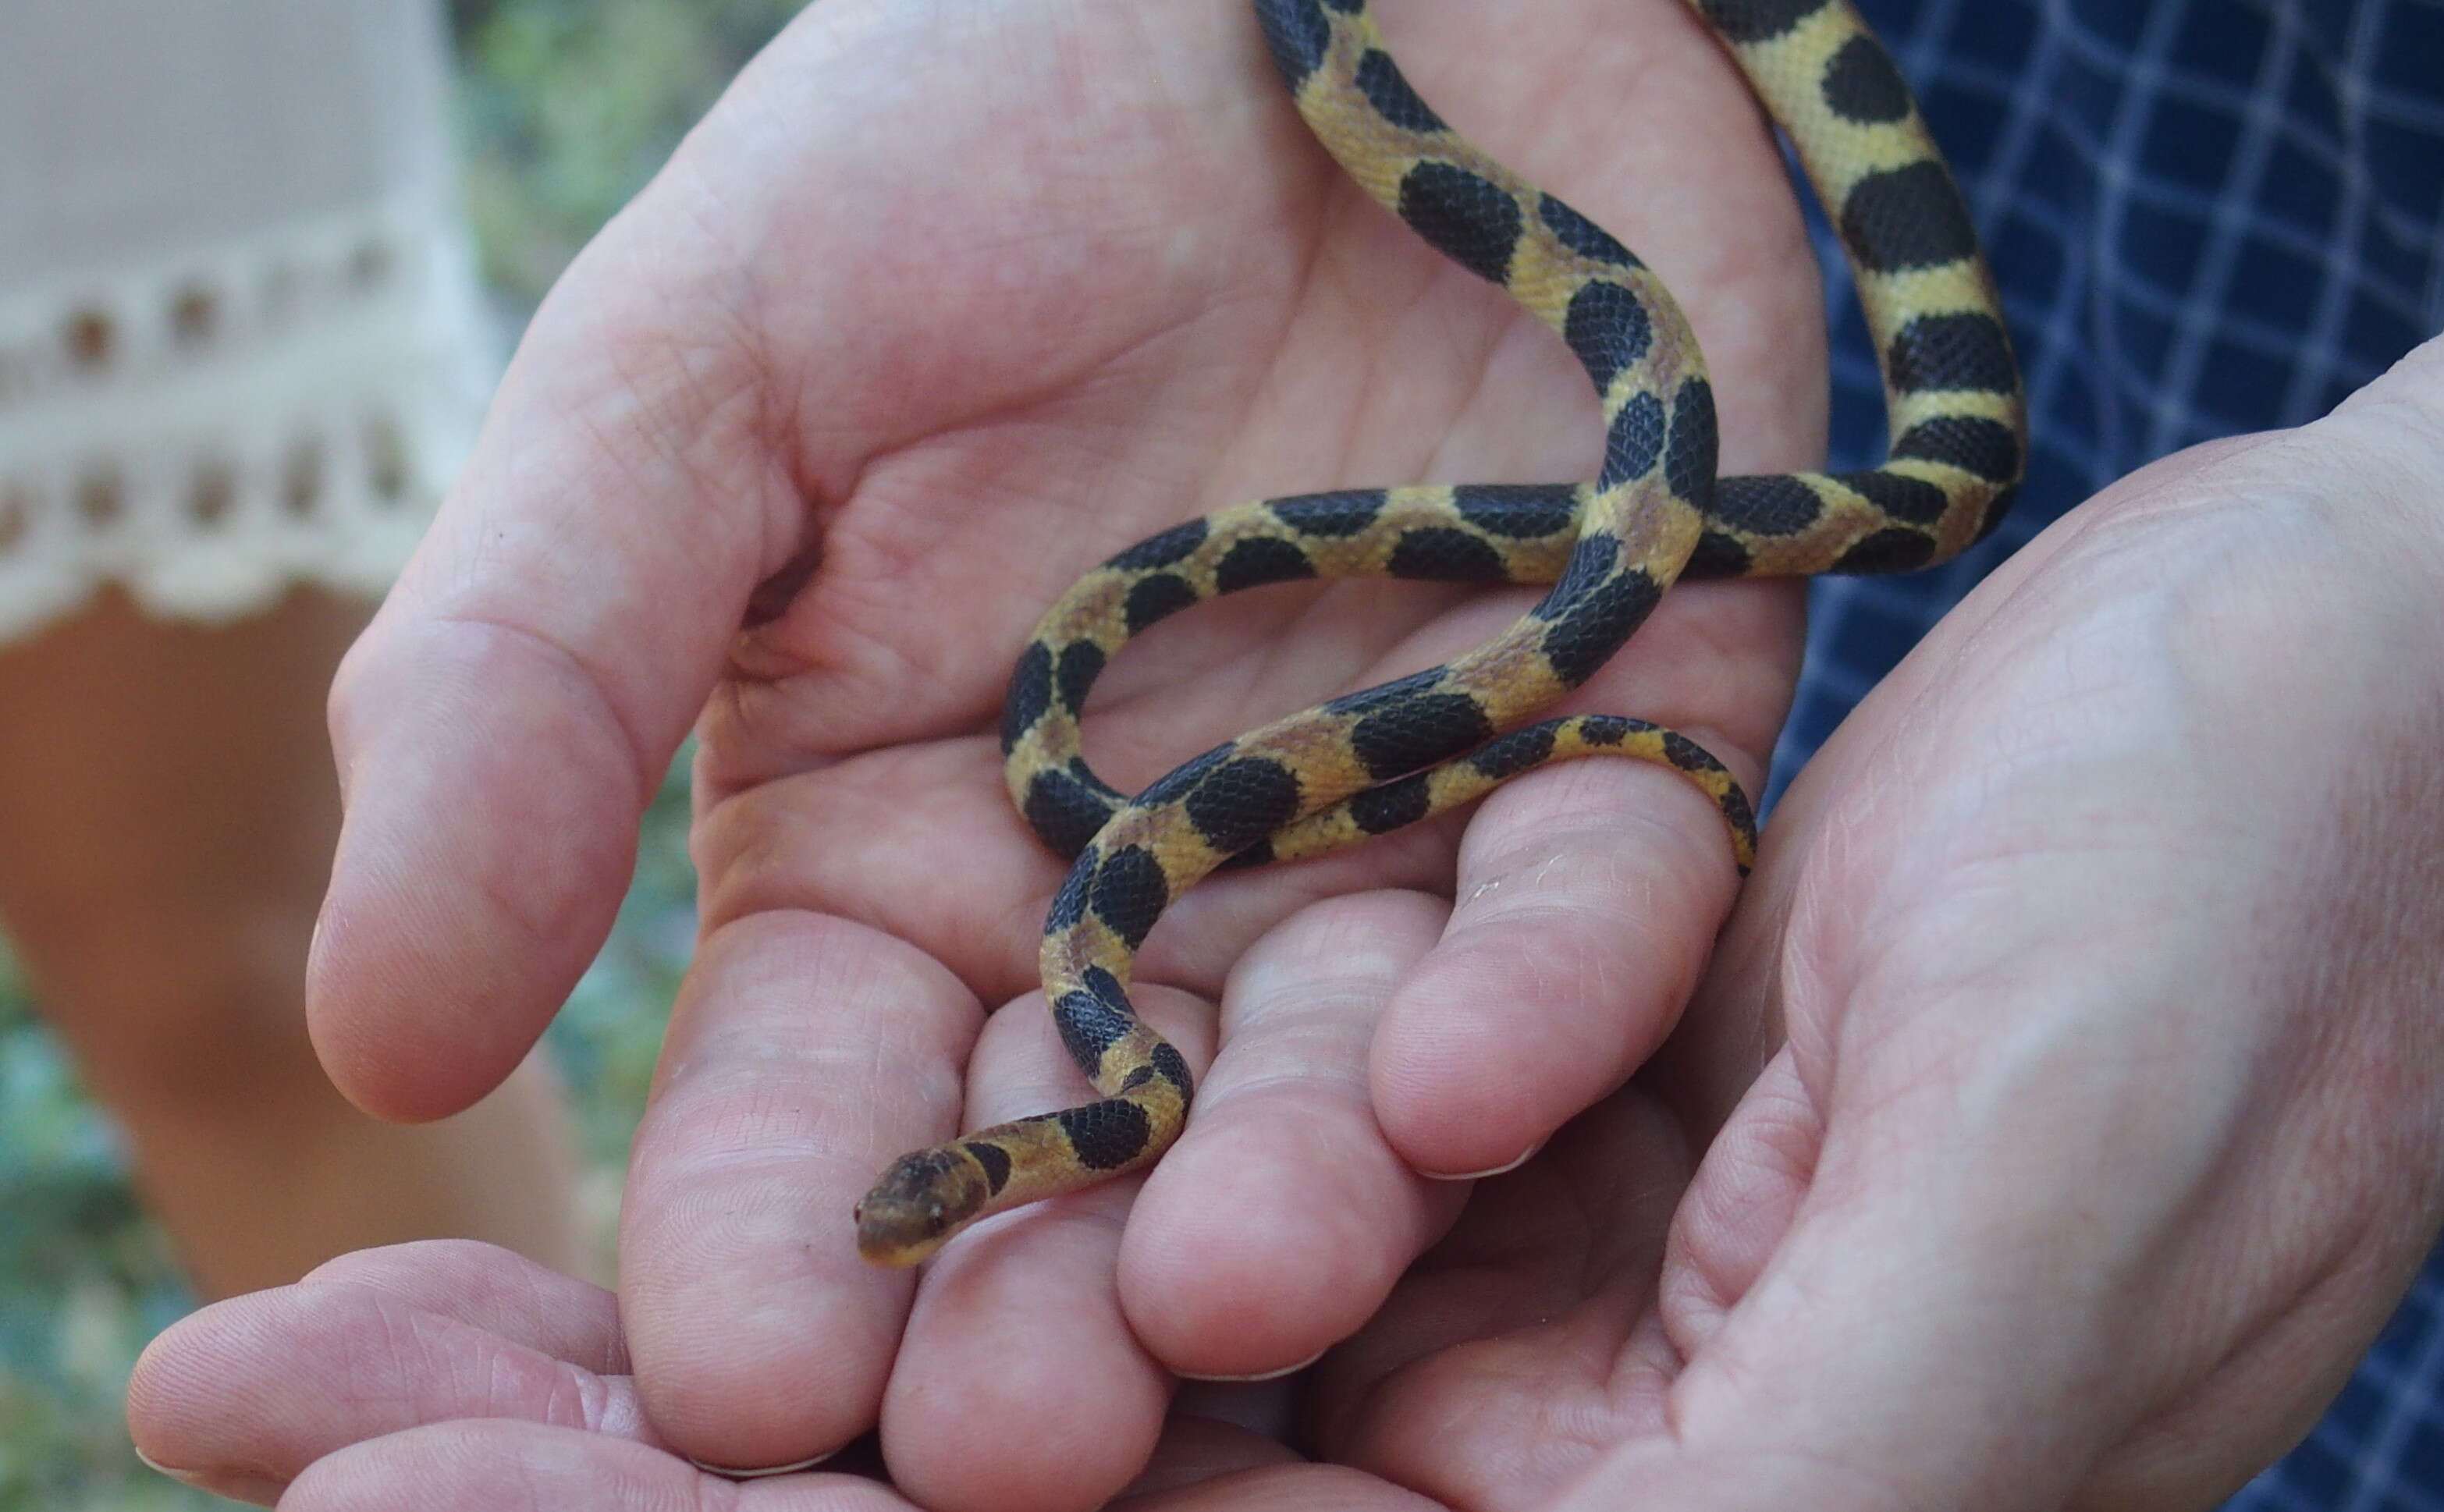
(2208, 217)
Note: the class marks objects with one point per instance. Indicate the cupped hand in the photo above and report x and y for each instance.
(2059, 1122)
(2064, 1102)
(942, 305)
(453, 1376)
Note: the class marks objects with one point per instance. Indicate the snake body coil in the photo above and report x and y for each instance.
(1374, 761)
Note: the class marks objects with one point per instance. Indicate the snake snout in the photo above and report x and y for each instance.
(917, 1205)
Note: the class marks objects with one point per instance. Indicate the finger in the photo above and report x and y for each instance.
(1887, 1361)
(1587, 894)
(1281, 1219)
(1587, 897)
(485, 1467)
(506, 716)
(802, 1054)
(482, 1466)
(1524, 1345)
(1021, 1311)
(496, 1290)
(1195, 1449)
(1917, 1284)
(244, 1395)
(1283, 1488)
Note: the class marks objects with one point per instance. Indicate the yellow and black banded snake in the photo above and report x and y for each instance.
(1371, 761)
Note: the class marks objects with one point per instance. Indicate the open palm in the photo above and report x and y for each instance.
(942, 305)
(2059, 1116)
(2046, 1133)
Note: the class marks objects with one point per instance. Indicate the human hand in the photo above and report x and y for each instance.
(940, 307)
(2058, 1125)
(453, 1376)
(2067, 1086)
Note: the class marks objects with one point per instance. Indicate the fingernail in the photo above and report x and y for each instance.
(730, 1473)
(1504, 1168)
(256, 1488)
(1251, 1380)
(182, 1477)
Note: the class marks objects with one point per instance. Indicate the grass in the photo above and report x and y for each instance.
(566, 106)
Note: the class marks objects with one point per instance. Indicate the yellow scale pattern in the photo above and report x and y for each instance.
(1335, 775)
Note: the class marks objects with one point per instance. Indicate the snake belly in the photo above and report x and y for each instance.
(1375, 760)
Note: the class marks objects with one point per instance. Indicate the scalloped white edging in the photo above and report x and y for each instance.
(221, 424)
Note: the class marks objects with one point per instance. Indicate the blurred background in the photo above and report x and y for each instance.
(564, 108)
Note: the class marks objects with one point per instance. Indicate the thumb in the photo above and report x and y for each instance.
(1907, 1343)
(1928, 1268)
(508, 714)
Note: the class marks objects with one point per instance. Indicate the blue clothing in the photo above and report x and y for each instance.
(2206, 217)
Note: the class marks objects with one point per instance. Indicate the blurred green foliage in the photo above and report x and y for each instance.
(567, 107)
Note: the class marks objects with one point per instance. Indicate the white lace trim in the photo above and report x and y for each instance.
(216, 427)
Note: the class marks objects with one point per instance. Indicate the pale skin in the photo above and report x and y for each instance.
(2055, 1122)
(167, 811)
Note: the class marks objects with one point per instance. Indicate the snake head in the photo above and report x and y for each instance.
(920, 1202)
